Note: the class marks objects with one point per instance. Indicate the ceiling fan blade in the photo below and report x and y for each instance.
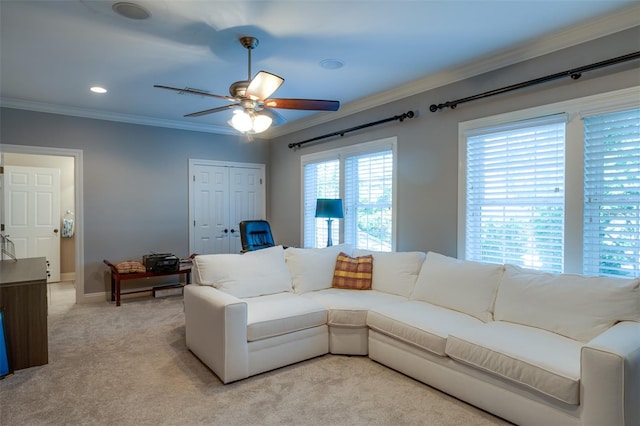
(194, 92)
(305, 104)
(212, 110)
(263, 85)
(276, 117)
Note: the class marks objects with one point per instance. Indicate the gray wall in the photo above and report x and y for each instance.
(135, 177)
(135, 180)
(428, 144)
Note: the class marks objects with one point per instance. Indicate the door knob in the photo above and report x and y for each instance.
(55, 231)
(233, 230)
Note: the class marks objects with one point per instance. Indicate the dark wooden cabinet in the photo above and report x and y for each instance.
(23, 297)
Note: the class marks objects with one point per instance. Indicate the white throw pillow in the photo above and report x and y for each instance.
(461, 285)
(394, 272)
(575, 306)
(255, 273)
(312, 268)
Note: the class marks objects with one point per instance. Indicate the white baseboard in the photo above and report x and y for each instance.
(99, 297)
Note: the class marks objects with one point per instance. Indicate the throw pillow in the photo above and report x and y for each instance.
(396, 272)
(130, 267)
(353, 273)
(311, 269)
(576, 306)
(461, 285)
(255, 273)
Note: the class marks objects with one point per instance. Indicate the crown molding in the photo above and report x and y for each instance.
(601, 27)
(112, 116)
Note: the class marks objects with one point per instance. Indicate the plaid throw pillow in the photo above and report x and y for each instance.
(353, 273)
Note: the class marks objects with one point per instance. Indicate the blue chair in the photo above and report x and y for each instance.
(255, 235)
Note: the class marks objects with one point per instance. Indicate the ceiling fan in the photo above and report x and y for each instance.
(252, 96)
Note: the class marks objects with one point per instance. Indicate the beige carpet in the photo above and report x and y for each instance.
(130, 366)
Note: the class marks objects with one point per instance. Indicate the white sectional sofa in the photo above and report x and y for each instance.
(530, 347)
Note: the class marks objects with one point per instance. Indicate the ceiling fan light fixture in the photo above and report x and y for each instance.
(241, 121)
(250, 123)
(261, 123)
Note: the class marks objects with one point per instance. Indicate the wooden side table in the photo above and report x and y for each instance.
(117, 277)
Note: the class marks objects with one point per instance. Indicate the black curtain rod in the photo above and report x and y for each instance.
(401, 117)
(575, 74)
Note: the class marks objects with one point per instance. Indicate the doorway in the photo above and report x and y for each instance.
(70, 162)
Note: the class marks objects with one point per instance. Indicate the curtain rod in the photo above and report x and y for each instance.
(575, 74)
(401, 117)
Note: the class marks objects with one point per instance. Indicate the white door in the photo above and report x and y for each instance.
(223, 195)
(246, 201)
(32, 213)
(211, 209)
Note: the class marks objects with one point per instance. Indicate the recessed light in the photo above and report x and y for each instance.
(98, 89)
(331, 64)
(131, 10)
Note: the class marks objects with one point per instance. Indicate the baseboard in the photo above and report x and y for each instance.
(99, 297)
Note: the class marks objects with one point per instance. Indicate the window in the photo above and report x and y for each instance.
(612, 194)
(363, 176)
(513, 206)
(515, 194)
(321, 180)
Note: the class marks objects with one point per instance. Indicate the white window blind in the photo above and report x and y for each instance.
(515, 193)
(369, 200)
(321, 180)
(611, 239)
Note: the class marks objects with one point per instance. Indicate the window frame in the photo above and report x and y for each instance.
(576, 109)
(372, 147)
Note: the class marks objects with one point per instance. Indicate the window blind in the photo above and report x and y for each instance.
(515, 194)
(368, 200)
(320, 180)
(611, 235)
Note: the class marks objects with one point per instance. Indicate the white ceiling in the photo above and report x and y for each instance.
(53, 51)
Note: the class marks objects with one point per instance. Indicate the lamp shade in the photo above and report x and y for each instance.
(329, 208)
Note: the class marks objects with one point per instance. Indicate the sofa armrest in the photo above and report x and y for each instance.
(611, 376)
(216, 331)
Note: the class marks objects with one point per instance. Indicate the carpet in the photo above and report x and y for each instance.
(129, 365)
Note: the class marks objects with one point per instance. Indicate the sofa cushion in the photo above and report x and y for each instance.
(277, 314)
(461, 285)
(421, 324)
(349, 308)
(535, 358)
(353, 273)
(394, 272)
(311, 269)
(575, 306)
(254, 273)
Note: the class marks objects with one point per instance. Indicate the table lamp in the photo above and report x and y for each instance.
(331, 208)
